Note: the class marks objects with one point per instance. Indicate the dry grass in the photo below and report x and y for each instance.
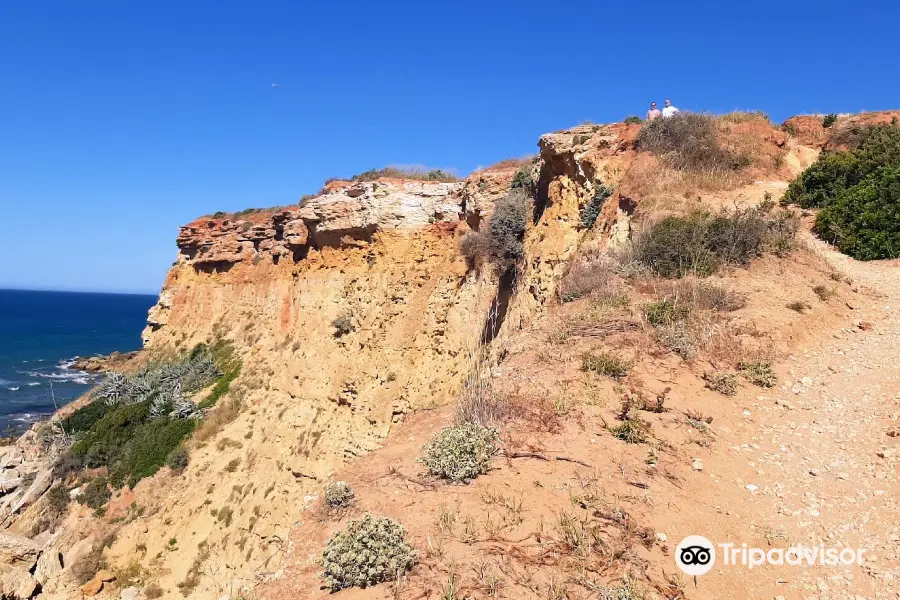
(604, 363)
(224, 413)
(593, 276)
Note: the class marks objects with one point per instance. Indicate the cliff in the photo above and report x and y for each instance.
(354, 310)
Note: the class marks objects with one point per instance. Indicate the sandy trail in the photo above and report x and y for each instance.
(812, 461)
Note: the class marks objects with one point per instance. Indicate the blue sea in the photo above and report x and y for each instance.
(40, 334)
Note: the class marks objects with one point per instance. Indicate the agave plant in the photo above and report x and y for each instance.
(162, 385)
(112, 389)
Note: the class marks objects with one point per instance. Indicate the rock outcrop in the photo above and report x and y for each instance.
(335, 218)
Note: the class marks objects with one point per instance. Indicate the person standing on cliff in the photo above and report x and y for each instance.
(669, 110)
(653, 113)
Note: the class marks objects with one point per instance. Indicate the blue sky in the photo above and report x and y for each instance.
(123, 120)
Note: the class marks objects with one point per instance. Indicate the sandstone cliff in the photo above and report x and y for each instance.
(349, 312)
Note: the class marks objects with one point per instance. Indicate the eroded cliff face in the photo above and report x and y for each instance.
(347, 313)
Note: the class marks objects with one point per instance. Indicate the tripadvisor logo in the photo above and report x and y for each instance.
(695, 555)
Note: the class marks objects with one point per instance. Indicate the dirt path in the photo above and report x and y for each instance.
(812, 462)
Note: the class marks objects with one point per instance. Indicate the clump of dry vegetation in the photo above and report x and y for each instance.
(759, 372)
(721, 381)
(604, 363)
(700, 242)
(688, 141)
(594, 276)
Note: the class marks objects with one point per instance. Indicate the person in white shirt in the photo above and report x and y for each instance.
(669, 110)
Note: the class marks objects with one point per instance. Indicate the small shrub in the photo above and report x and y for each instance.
(153, 591)
(57, 500)
(700, 295)
(688, 141)
(632, 431)
(678, 338)
(632, 120)
(580, 139)
(219, 214)
(232, 465)
(700, 243)
(798, 305)
(368, 551)
(480, 405)
(178, 459)
(460, 453)
(522, 179)
(507, 228)
(605, 363)
(338, 494)
(590, 211)
(501, 242)
(595, 278)
(823, 292)
(829, 120)
(92, 562)
(665, 312)
(760, 373)
(722, 382)
(342, 324)
(85, 417)
(95, 494)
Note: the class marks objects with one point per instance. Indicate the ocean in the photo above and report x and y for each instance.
(40, 334)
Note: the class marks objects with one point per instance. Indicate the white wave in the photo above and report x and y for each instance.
(13, 389)
(34, 383)
(25, 418)
(5, 382)
(81, 381)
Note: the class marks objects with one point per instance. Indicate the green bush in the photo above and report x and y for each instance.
(85, 417)
(632, 120)
(820, 183)
(178, 458)
(507, 228)
(700, 243)
(590, 211)
(605, 363)
(338, 494)
(522, 179)
(95, 494)
(368, 551)
(131, 443)
(460, 453)
(688, 141)
(871, 148)
(864, 220)
(665, 312)
(501, 242)
(829, 120)
(759, 372)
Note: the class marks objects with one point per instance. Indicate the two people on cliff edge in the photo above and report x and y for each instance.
(667, 111)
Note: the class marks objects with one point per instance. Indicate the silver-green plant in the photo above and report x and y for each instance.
(339, 495)
(368, 551)
(461, 453)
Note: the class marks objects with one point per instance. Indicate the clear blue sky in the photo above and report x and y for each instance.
(122, 120)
